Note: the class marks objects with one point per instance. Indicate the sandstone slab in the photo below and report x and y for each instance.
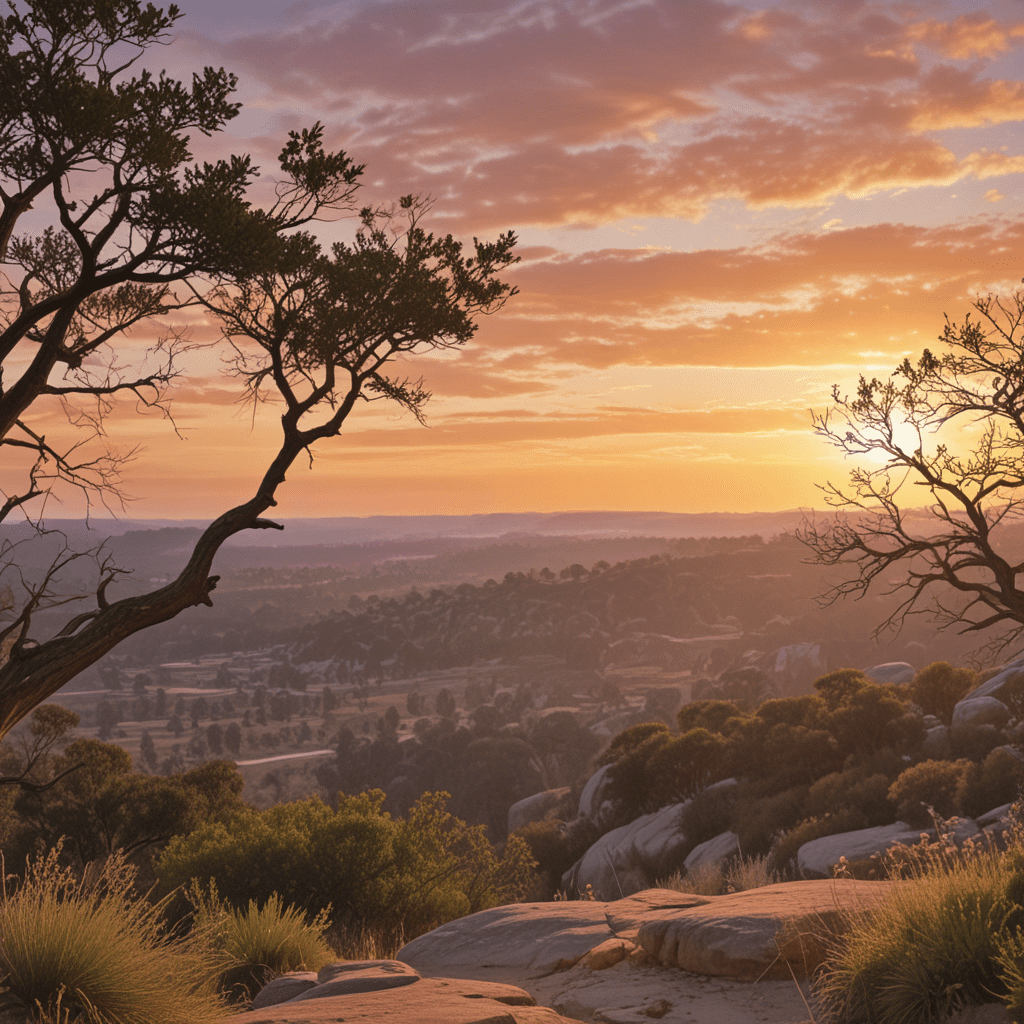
(772, 932)
(891, 672)
(429, 1001)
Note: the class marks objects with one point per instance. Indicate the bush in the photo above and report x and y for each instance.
(938, 687)
(996, 781)
(413, 873)
(91, 949)
(556, 847)
(852, 789)
(928, 784)
(629, 740)
(707, 714)
(683, 766)
(709, 814)
(758, 820)
(252, 946)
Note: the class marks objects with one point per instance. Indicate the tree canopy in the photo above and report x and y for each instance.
(119, 227)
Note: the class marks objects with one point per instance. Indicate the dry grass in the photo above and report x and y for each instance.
(933, 946)
(250, 947)
(91, 949)
(716, 879)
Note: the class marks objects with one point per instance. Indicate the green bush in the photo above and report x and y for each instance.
(759, 819)
(938, 687)
(707, 714)
(91, 950)
(808, 710)
(932, 784)
(683, 766)
(629, 740)
(709, 814)
(250, 947)
(412, 873)
(996, 781)
(854, 789)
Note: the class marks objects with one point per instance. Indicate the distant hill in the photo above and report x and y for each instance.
(356, 530)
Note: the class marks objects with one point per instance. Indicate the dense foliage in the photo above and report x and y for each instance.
(357, 862)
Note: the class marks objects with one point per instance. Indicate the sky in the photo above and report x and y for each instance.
(723, 209)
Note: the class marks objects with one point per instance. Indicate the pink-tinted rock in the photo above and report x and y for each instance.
(760, 933)
(280, 990)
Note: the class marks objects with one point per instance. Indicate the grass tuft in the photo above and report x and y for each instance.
(250, 947)
(90, 948)
(933, 946)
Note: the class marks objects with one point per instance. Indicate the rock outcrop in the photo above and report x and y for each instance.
(777, 931)
(393, 992)
(628, 859)
(632, 959)
(891, 672)
(534, 808)
(975, 711)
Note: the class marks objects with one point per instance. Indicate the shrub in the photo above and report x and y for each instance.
(807, 710)
(413, 873)
(836, 688)
(629, 740)
(251, 946)
(680, 768)
(709, 814)
(707, 714)
(91, 949)
(928, 784)
(996, 781)
(758, 820)
(556, 847)
(938, 687)
(853, 789)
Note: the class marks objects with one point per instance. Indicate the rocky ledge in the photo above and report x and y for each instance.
(738, 959)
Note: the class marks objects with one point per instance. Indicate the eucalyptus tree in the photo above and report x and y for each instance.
(122, 227)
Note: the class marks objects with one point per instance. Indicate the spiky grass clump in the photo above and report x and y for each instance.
(931, 948)
(254, 945)
(91, 948)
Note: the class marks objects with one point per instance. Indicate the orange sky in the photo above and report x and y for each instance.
(723, 209)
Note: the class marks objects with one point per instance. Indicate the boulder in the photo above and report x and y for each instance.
(936, 744)
(714, 851)
(627, 859)
(354, 976)
(819, 856)
(1006, 685)
(777, 931)
(534, 808)
(891, 672)
(280, 990)
(592, 799)
(973, 712)
(796, 666)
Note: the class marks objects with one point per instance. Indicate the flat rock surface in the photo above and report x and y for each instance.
(428, 1001)
(530, 940)
(770, 932)
(631, 993)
